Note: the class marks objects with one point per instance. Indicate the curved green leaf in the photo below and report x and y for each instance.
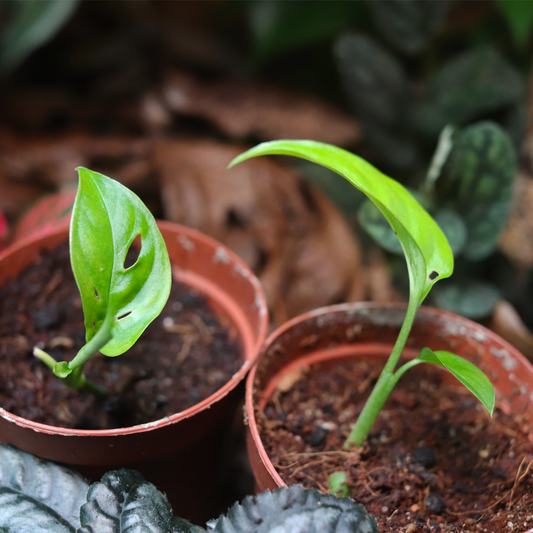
(37, 495)
(106, 219)
(428, 254)
(467, 373)
(123, 502)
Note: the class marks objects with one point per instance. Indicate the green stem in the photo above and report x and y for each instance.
(74, 380)
(102, 337)
(384, 385)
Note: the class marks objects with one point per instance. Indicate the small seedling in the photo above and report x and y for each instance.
(118, 302)
(429, 259)
(337, 484)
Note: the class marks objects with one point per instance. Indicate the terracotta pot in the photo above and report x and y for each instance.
(179, 453)
(369, 330)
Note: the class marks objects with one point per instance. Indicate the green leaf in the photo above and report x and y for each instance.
(478, 82)
(32, 24)
(106, 219)
(408, 24)
(294, 510)
(278, 27)
(467, 373)
(429, 257)
(123, 502)
(472, 299)
(376, 225)
(476, 182)
(378, 90)
(37, 495)
(337, 484)
(519, 15)
(454, 227)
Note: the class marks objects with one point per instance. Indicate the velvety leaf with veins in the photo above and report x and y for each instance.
(38, 496)
(295, 510)
(123, 502)
(106, 219)
(428, 254)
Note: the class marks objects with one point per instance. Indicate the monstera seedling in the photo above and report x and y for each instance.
(38, 496)
(429, 259)
(118, 302)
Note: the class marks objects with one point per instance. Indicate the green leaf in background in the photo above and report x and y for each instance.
(429, 257)
(472, 85)
(467, 373)
(454, 227)
(278, 27)
(31, 24)
(472, 299)
(378, 90)
(337, 484)
(123, 502)
(374, 80)
(376, 225)
(408, 24)
(476, 182)
(519, 16)
(38, 496)
(106, 219)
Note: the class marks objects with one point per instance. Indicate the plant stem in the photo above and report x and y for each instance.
(102, 337)
(75, 380)
(384, 385)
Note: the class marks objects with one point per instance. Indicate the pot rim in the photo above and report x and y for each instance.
(250, 356)
(278, 332)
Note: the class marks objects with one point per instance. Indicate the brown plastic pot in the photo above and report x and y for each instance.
(181, 453)
(369, 330)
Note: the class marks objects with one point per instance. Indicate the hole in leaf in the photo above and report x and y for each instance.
(433, 275)
(96, 293)
(133, 253)
(124, 315)
(94, 323)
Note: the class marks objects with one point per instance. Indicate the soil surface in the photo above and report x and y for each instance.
(435, 461)
(183, 357)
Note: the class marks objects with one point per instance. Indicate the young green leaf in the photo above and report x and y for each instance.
(106, 219)
(467, 373)
(428, 254)
(337, 484)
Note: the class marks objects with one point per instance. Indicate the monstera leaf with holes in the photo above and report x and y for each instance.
(294, 510)
(118, 302)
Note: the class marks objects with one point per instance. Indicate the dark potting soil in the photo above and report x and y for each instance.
(435, 461)
(183, 357)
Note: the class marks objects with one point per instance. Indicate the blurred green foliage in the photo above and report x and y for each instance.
(27, 25)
